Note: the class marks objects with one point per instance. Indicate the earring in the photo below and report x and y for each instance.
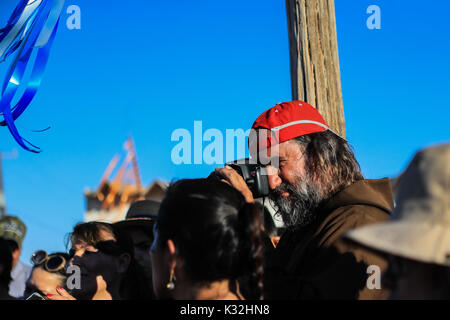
(171, 284)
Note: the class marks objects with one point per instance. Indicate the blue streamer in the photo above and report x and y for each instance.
(31, 28)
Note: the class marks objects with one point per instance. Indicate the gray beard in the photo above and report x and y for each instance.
(299, 208)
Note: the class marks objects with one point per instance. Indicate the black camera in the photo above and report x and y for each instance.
(254, 176)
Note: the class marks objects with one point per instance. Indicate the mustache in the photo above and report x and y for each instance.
(298, 208)
(283, 187)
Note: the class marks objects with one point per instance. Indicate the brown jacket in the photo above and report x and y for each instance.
(315, 262)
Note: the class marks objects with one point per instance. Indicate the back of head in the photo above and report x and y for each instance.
(48, 272)
(5, 264)
(217, 234)
(55, 264)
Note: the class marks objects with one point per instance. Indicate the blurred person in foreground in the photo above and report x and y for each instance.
(206, 237)
(105, 258)
(14, 230)
(138, 224)
(320, 193)
(5, 270)
(48, 273)
(417, 237)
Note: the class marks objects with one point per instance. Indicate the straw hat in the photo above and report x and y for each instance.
(419, 228)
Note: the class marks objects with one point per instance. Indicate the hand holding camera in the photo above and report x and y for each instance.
(249, 178)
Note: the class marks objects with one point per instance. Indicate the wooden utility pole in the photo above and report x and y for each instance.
(315, 75)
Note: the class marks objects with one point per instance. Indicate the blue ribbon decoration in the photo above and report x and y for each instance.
(31, 28)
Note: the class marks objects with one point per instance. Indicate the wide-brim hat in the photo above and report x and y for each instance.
(419, 228)
(140, 214)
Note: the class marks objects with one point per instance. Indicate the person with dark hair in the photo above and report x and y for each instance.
(138, 224)
(5, 269)
(13, 230)
(105, 258)
(320, 193)
(49, 272)
(206, 237)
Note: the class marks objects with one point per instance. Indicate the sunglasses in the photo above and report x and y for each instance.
(109, 247)
(52, 263)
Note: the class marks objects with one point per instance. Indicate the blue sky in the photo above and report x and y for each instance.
(150, 67)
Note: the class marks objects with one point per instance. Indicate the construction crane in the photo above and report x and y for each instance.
(120, 185)
(115, 193)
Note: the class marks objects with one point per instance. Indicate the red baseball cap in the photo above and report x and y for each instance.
(288, 120)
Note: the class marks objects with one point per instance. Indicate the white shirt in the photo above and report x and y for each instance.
(19, 275)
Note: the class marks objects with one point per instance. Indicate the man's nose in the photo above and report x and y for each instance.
(273, 177)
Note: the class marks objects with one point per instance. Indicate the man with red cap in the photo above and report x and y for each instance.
(320, 193)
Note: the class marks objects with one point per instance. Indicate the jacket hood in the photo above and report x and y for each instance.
(376, 193)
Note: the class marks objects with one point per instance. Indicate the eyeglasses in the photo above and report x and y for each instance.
(109, 247)
(52, 263)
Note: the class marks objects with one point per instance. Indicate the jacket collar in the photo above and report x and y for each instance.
(376, 193)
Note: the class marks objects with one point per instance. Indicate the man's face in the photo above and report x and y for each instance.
(142, 240)
(284, 162)
(293, 190)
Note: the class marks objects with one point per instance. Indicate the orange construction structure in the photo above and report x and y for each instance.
(112, 198)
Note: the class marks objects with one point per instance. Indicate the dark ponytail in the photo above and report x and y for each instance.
(250, 224)
(216, 233)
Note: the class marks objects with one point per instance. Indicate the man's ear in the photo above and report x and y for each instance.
(124, 262)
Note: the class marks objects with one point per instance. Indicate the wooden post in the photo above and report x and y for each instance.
(315, 75)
